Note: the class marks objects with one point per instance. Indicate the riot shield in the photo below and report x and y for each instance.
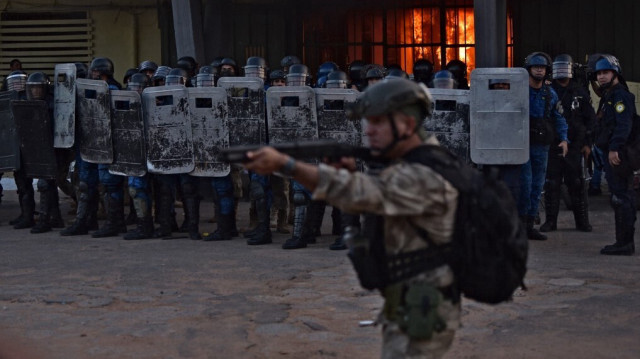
(450, 120)
(64, 105)
(94, 121)
(245, 101)
(9, 140)
(500, 116)
(332, 118)
(291, 114)
(210, 130)
(168, 129)
(129, 151)
(35, 130)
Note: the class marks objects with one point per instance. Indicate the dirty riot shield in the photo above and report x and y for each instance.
(333, 122)
(500, 117)
(246, 104)
(64, 105)
(210, 130)
(450, 120)
(9, 140)
(94, 121)
(35, 130)
(168, 129)
(291, 114)
(129, 151)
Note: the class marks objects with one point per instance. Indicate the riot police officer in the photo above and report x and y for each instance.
(422, 71)
(443, 79)
(546, 124)
(459, 71)
(289, 61)
(374, 75)
(148, 68)
(577, 110)
(615, 116)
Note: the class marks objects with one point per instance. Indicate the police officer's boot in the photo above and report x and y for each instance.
(349, 221)
(580, 209)
(223, 232)
(163, 213)
(313, 221)
(281, 221)
(28, 210)
(54, 210)
(262, 234)
(114, 225)
(192, 216)
(533, 233)
(624, 216)
(80, 224)
(44, 219)
(336, 221)
(144, 224)
(92, 214)
(551, 206)
(132, 216)
(299, 220)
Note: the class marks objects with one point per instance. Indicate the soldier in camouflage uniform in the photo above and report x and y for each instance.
(411, 199)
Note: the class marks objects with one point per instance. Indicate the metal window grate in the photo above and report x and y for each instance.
(42, 39)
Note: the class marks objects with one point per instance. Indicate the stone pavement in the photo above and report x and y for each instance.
(79, 297)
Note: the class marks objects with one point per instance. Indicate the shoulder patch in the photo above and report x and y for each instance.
(619, 107)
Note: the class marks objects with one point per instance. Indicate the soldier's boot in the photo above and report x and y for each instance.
(262, 233)
(624, 216)
(54, 209)
(163, 213)
(80, 224)
(580, 209)
(336, 221)
(132, 217)
(28, 210)
(533, 233)
(192, 214)
(223, 232)
(350, 223)
(551, 206)
(281, 222)
(44, 219)
(143, 230)
(115, 224)
(299, 219)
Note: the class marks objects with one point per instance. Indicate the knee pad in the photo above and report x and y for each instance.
(300, 199)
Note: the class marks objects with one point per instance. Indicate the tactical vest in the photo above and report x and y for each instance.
(541, 130)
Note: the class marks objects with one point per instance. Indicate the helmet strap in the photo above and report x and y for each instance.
(396, 137)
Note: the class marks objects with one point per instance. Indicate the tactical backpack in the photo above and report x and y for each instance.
(489, 249)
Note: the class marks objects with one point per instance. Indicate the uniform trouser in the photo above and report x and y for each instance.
(280, 189)
(190, 197)
(87, 173)
(24, 185)
(510, 175)
(567, 170)
(622, 201)
(598, 167)
(265, 183)
(532, 179)
(113, 184)
(139, 188)
(223, 187)
(64, 158)
(301, 200)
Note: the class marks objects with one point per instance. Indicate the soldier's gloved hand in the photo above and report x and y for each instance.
(565, 148)
(265, 160)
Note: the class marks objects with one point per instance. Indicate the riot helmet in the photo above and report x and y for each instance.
(138, 82)
(128, 74)
(443, 79)
(16, 81)
(322, 82)
(206, 77)
(562, 67)
(374, 73)
(355, 71)
(148, 68)
(228, 67)
(538, 59)
(216, 62)
(608, 62)
(188, 64)
(81, 70)
(177, 76)
(37, 86)
(397, 73)
(255, 67)
(289, 61)
(337, 80)
(422, 71)
(159, 77)
(102, 66)
(297, 75)
(277, 76)
(326, 68)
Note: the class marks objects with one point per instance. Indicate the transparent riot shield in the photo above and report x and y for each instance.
(64, 105)
(129, 151)
(168, 129)
(94, 121)
(35, 130)
(332, 118)
(245, 101)
(450, 120)
(500, 116)
(9, 140)
(291, 114)
(210, 130)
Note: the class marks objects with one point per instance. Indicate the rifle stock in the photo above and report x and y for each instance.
(301, 150)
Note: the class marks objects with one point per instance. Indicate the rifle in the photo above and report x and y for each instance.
(302, 150)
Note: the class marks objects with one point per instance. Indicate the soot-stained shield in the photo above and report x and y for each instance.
(9, 140)
(245, 101)
(35, 130)
(333, 122)
(210, 130)
(127, 127)
(450, 120)
(64, 105)
(168, 130)
(94, 121)
(500, 116)
(291, 114)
